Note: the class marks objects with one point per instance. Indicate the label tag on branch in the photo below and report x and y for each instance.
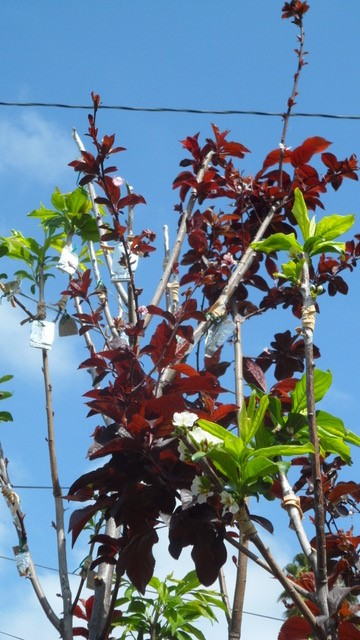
(308, 315)
(120, 271)
(68, 261)
(217, 336)
(67, 326)
(23, 560)
(42, 334)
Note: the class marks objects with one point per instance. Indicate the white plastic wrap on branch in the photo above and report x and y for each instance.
(68, 261)
(120, 271)
(217, 335)
(42, 334)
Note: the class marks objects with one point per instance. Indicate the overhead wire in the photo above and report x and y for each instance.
(10, 635)
(224, 112)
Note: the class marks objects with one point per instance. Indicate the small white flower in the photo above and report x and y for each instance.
(200, 487)
(200, 436)
(143, 310)
(227, 260)
(229, 502)
(184, 419)
(118, 181)
(184, 452)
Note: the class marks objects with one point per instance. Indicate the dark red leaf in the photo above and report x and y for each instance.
(79, 519)
(274, 157)
(253, 374)
(80, 631)
(130, 200)
(295, 628)
(348, 631)
(302, 155)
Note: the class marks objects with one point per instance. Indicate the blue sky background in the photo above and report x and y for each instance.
(200, 54)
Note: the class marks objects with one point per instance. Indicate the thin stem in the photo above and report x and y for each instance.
(225, 596)
(165, 263)
(179, 240)
(99, 220)
(288, 586)
(308, 316)
(241, 573)
(292, 505)
(13, 503)
(236, 277)
(59, 507)
(102, 596)
(252, 556)
(291, 100)
(249, 532)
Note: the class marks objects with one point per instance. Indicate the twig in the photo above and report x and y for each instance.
(179, 240)
(291, 503)
(225, 596)
(13, 502)
(59, 507)
(241, 573)
(291, 100)
(308, 323)
(120, 289)
(249, 531)
(103, 585)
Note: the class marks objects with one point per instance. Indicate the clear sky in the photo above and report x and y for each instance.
(196, 54)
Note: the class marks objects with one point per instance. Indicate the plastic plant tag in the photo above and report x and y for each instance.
(217, 336)
(90, 580)
(23, 561)
(67, 326)
(42, 334)
(68, 261)
(120, 272)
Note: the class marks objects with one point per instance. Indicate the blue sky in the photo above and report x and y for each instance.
(207, 54)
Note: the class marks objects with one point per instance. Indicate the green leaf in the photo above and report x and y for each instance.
(234, 447)
(328, 247)
(215, 429)
(188, 583)
(300, 213)
(6, 378)
(5, 416)
(295, 422)
(322, 382)
(278, 450)
(224, 463)
(278, 242)
(259, 467)
(336, 427)
(292, 270)
(332, 444)
(5, 394)
(254, 424)
(331, 227)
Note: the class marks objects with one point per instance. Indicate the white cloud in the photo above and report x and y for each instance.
(35, 148)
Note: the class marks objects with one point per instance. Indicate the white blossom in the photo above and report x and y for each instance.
(184, 452)
(200, 487)
(229, 502)
(184, 419)
(200, 436)
(118, 181)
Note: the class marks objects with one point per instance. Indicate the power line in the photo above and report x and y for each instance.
(27, 486)
(9, 635)
(223, 112)
(41, 566)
